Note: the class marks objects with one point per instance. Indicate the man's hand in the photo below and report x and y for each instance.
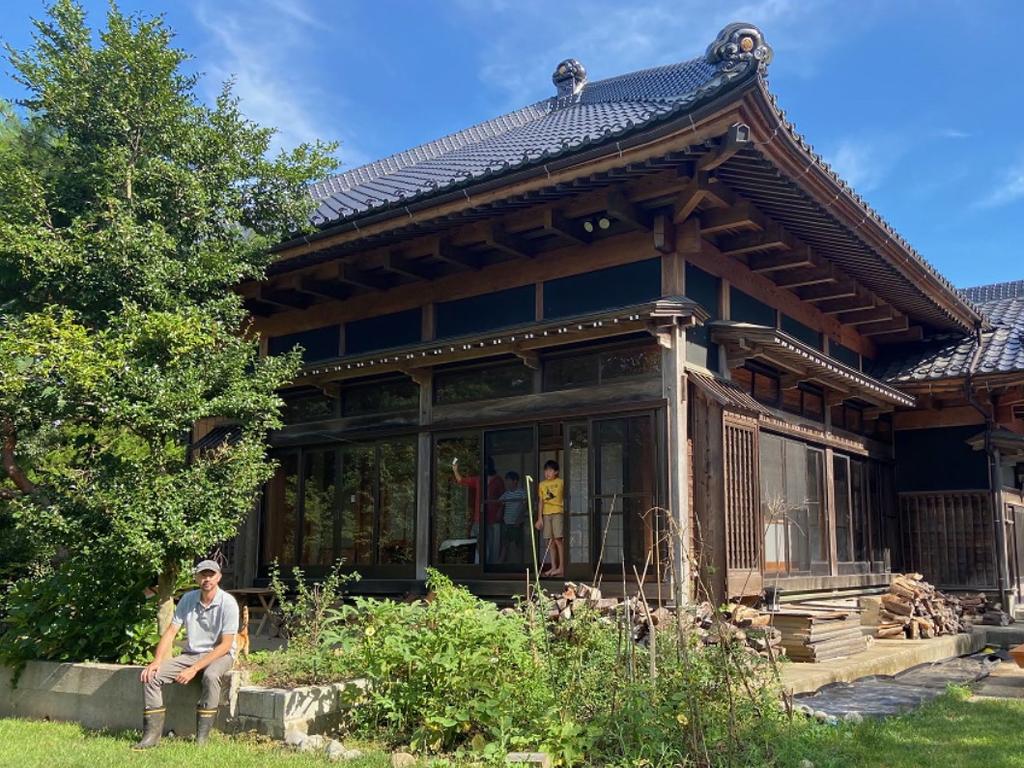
(539, 525)
(150, 671)
(185, 676)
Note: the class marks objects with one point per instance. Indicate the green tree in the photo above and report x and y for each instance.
(128, 210)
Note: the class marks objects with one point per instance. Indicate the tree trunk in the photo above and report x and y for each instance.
(165, 596)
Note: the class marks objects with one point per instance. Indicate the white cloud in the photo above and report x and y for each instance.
(259, 45)
(861, 163)
(622, 37)
(1008, 189)
(953, 133)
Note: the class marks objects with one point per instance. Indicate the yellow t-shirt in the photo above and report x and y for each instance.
(552, 495)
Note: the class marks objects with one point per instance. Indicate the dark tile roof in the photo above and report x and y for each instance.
(994, 291)
(1002, 348)
(594, 113)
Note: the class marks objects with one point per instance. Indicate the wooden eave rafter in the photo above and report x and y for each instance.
(743, 341)
(523, 341)
(779, 146)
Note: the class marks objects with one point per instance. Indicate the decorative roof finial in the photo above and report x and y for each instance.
(737, 43)
(569, 78)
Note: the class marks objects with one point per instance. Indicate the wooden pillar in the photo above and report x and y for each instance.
(424, 459)
(673, 357)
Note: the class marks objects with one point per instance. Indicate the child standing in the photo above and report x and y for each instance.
(551, 517)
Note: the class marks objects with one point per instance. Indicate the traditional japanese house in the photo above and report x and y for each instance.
(960, 472)
(651, 279)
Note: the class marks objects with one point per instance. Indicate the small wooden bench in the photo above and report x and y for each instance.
(267, 600)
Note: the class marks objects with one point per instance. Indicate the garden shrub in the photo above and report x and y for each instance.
(448, 672)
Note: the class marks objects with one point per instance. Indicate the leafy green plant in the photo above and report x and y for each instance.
(304, 608)
(447, 673)
(129, 209)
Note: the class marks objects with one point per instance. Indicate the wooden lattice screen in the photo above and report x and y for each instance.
(949, 537)
(742, 509)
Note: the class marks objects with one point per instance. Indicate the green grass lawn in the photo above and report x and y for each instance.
(954, 731)
(30, 743)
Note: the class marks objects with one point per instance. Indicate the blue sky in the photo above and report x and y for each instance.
(916, 104)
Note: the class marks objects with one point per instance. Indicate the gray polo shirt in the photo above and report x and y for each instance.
(205, 624)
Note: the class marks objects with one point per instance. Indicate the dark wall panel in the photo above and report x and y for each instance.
(384, 332)
(939, 459)
(317, 344)
(603, 289)
(486, 312)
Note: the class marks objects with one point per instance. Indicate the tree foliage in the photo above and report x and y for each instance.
(128, 210)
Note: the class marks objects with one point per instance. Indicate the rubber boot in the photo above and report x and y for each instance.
(204, 724)
(152, 728)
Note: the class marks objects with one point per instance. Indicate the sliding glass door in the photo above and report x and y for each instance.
(357, 503)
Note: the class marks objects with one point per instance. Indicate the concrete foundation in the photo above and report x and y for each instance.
(109, 697)
(883, 657)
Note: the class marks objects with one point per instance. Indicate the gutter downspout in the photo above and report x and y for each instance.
(994, 479)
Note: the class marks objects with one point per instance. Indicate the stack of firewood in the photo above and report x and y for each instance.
(737, 624)
(914, 609)
(820, 635)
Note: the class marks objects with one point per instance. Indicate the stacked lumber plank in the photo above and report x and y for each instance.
(820, 635)
(913, 609)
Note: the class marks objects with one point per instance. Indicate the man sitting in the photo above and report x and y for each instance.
(210, 618)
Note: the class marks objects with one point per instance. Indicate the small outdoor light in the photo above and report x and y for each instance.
(603, 222)
(588, 226)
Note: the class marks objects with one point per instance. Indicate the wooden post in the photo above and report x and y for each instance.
(673, 356)
(424, 460)
(830, 511)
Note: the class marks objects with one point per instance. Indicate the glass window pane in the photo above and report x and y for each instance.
(578, 484)
(280, 524)
(744, 308)
(570, 371)
(358, 491)
(859, 512)
(801, 332)
(318, 504)
(603, 289)
(502, 380)
(304, 408)
(398, 329)
(797, 503)
(704, 289)
(317, 344)
(508, 459)
(773, 499)
(629, 363)
(380, 397)
(397, 501)
(817, 515)
(500, 309)
(841, 470)
(844, 354)
(457, 500)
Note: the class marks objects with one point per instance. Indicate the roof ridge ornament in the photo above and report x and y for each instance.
(569, 78)
(738, 43)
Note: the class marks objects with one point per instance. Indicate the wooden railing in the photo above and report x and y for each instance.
(949, 537)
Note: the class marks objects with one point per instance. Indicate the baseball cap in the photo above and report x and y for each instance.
(206, 565)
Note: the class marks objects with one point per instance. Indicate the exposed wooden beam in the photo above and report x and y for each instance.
(912, 334)
(735, 139)
(743, 215)
(827, 292)
(700, 188)
(444, 251)
(400, 265)
(664, 233)
(567, 229)
(284, 297)
(777, 262)
(260, 308)
(773, 237)
(349, 274)
(882, 327)
(619, 207)
(499, 239)
(861, 300)
(803, 277)
(324, 288)
(864, 316)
